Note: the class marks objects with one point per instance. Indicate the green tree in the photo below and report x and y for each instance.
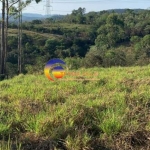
(36, 22)
(146, 44)
(90, 17)
(135, 39)
(50, 46)
(77, 16)
(109, 35)
(93, 58)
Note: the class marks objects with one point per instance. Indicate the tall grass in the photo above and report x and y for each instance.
(111, 112)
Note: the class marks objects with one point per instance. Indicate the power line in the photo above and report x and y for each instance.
(51, 10)
(61, 10)
(77, 2)
(94, 1)
(48, 2)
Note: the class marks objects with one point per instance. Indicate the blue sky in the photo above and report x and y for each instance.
(66, 6)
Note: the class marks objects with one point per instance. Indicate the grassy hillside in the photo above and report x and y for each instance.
(64, 25)
(111, 113)
(14, 32)
(108, 38)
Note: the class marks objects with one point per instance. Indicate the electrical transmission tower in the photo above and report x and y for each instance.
(48, 10)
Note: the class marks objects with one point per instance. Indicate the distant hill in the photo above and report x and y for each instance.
(32, 16)
(123, 10)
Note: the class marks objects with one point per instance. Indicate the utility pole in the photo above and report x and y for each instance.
(0, 42)
(6, 34)
(19, 38)
(2, 71)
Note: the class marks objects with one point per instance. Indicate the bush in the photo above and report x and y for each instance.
(93, 58)
(74, 62)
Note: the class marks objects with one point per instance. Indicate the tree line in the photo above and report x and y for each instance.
(84, 40)
(8, 10)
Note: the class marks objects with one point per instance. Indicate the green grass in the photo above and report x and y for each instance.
(13, 32)
(65, 25)
(110, 113)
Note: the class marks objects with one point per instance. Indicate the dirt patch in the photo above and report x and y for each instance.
(31, 106)
(138, 140)
(135, 82)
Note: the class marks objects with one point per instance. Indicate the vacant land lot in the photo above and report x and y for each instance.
(110, 113)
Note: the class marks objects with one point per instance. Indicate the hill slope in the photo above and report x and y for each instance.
(109, 113)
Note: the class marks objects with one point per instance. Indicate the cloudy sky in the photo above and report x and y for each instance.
(66, 6)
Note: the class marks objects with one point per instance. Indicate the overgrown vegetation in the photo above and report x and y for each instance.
(110, 38)
(109, 113)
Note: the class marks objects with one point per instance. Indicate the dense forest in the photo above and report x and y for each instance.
(105, 39)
